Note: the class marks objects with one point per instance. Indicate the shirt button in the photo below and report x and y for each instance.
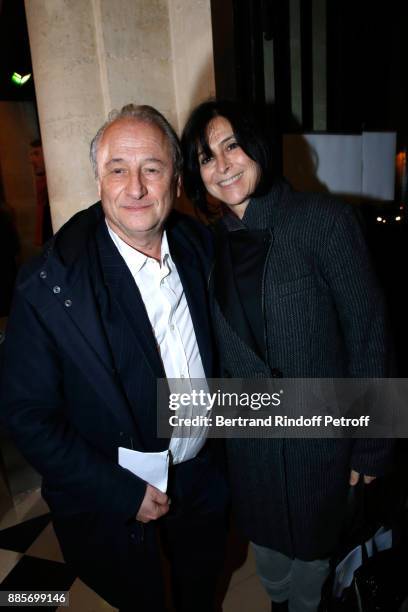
(182, 376)
(43, 274)
(172, 327)
(68, 303)
(56, 289)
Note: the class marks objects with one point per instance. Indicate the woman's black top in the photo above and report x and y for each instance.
(248, 250)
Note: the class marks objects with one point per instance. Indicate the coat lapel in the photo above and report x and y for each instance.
(195, 289)
(128, 329)
(123, 309)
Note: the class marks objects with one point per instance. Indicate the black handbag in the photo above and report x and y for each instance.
(378, 585)
(380, 581)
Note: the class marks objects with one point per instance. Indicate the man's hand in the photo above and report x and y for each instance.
(154, 505)
(355, 477)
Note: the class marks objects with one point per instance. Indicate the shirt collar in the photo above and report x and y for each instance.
(134, 258)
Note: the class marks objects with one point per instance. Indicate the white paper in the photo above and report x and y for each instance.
(151, 467)
(350, 164)
(379, 150)
(324, 162)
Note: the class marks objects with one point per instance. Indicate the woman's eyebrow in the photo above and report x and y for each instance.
(227, 138)
(223, 141)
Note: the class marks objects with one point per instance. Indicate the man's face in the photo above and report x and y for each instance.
(136, 180)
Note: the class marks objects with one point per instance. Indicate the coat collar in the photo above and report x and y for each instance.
(264, 211)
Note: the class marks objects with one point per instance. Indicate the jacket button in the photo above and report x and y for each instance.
(275, 373)
(56, 289)
(43, 274)
(68, 303)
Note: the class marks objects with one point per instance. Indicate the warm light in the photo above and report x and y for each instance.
(401, 208)
(400, 162)
(379, 219)
(384, 221)
(19, 79)
(398, 218)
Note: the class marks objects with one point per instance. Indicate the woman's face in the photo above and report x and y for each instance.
(228, 174)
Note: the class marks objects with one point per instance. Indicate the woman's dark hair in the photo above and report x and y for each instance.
(249, 136)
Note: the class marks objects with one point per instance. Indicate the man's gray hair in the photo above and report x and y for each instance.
(145, 113)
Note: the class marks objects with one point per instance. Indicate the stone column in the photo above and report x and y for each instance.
(192, 51)
(90, 57)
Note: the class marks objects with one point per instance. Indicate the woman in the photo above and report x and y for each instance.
(293, 295)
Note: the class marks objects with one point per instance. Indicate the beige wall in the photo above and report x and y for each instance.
(18, 127)
(90, 57)
(192, 55)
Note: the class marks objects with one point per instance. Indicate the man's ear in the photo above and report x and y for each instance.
(98, 182)
(178, 186)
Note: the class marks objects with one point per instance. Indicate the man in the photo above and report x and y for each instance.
(117, 301)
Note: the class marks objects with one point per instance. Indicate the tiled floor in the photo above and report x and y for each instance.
(30, 558)
(245, 593)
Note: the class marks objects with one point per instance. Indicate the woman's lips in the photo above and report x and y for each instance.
(231, 180)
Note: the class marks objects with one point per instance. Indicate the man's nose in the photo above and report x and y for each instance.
(136, 187)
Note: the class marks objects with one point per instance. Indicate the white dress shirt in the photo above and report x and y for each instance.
(166, 305)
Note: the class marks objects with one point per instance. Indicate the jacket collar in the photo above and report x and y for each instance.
(263, 211)
(71, 240)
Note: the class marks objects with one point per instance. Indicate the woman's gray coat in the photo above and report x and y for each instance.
(323, 317)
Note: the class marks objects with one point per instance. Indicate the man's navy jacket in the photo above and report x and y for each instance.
(81, 362)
